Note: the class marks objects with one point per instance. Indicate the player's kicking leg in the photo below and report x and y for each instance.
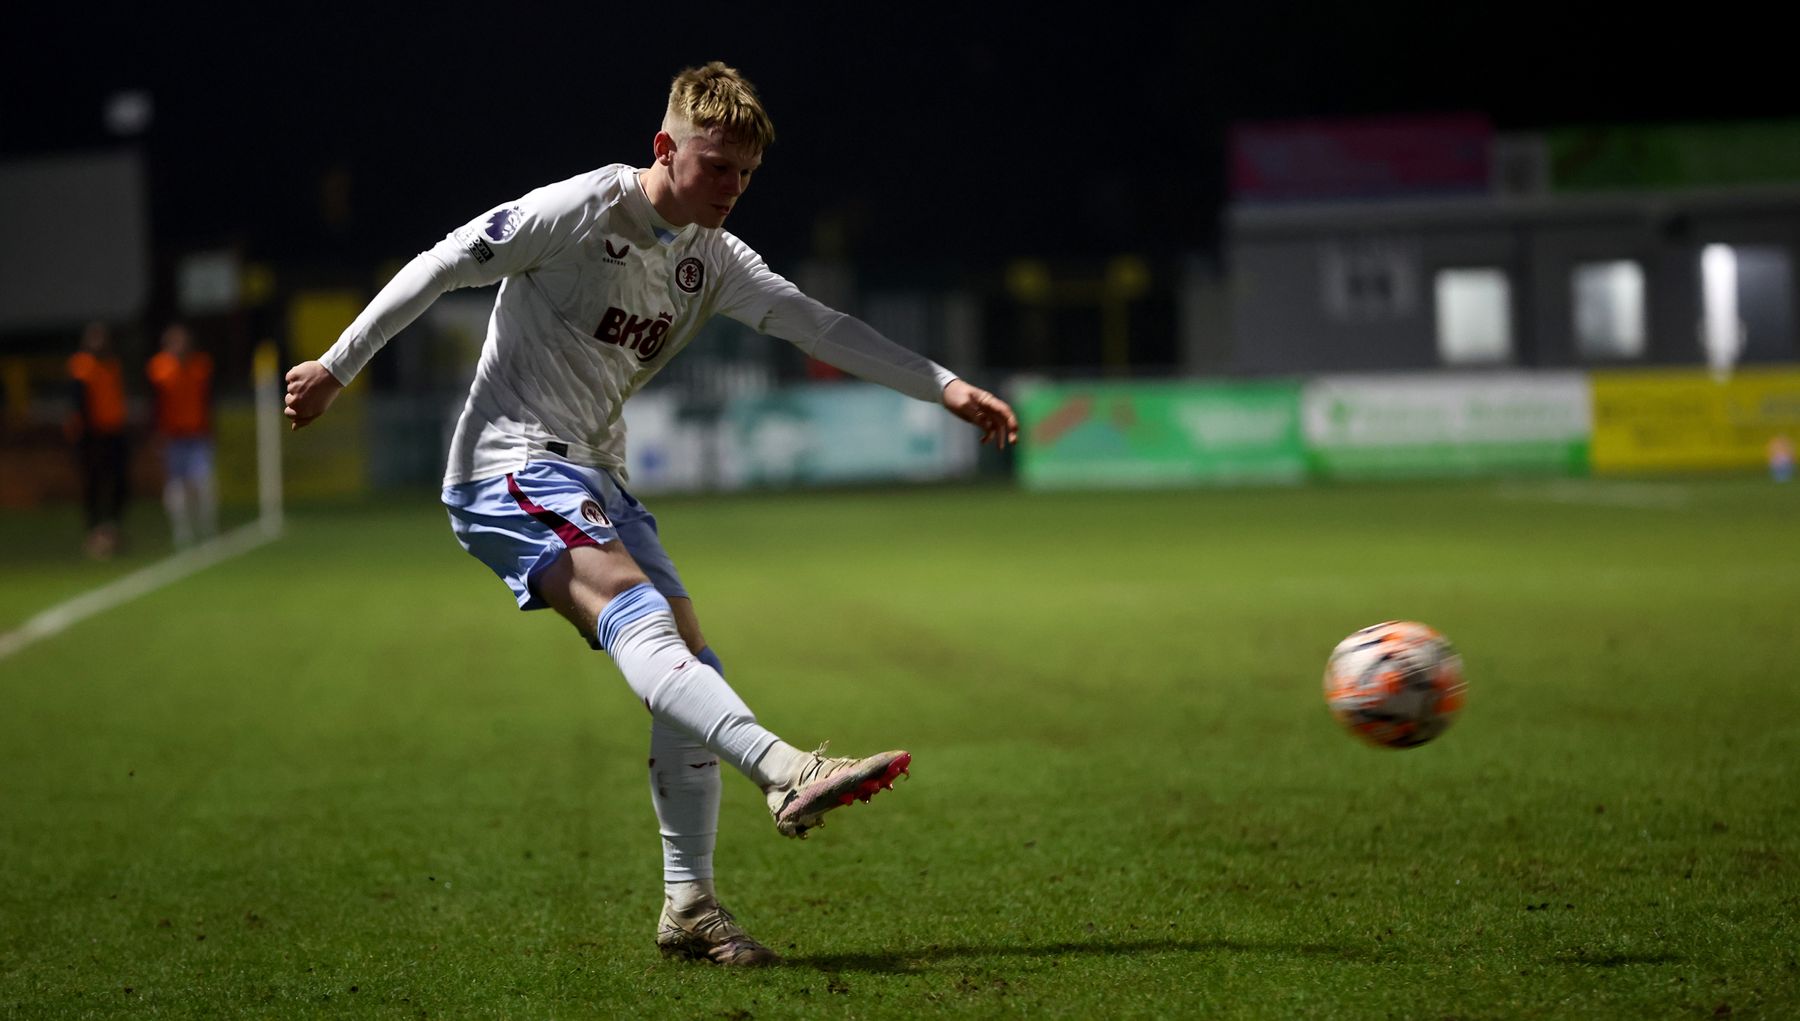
(637, 626)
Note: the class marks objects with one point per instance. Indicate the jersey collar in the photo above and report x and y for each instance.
(665, 232)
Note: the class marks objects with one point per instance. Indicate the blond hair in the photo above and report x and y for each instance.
(716, 96)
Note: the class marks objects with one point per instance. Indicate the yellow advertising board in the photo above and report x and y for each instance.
(1687, 420)
(326, 460)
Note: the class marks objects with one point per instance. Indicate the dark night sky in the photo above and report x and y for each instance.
(984, 133)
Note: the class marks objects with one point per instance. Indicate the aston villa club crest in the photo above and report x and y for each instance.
(690, 274)
(591, 510)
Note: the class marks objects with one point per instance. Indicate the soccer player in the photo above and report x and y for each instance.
(182, 378)
(96, 425)
(604, 278)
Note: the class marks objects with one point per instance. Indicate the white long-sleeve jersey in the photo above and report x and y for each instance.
(597, 293)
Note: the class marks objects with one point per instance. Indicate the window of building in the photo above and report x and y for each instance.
(1474, 316)
(1747, 305)
(1721, 332)
(1369, 280)
(1609, 310)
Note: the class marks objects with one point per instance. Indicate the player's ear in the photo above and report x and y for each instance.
(664, 147)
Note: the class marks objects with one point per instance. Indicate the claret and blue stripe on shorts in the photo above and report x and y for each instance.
(519, 523)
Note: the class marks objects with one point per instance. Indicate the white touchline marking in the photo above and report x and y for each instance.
(61, 617)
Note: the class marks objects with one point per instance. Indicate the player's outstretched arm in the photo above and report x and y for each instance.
(848, 343)
(310, 390)
(993, 416)
(311, 387)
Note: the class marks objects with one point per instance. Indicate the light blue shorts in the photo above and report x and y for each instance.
(189, 457)
(518, 524)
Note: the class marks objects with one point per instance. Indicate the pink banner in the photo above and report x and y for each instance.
(1386, 157)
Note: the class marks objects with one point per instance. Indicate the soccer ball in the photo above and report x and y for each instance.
(1397, 684)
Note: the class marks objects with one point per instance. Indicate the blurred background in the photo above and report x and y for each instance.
(1219, 244)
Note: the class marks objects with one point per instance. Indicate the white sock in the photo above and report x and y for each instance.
(684, 896)
(206, 498)
(175, 502)
(639, 631)
(781, 761)
(684, 787)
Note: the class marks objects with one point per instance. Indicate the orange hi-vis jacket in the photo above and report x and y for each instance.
(102, 383)
(183, 393)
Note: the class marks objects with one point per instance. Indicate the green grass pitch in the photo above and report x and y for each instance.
(341, 776)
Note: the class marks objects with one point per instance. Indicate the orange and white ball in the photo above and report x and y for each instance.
(1397, 684)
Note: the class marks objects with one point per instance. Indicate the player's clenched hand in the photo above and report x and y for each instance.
(993, 416)
(310, 390)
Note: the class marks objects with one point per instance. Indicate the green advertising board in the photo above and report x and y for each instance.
(1673, 156)
(1446, 425)
(1159, 434)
